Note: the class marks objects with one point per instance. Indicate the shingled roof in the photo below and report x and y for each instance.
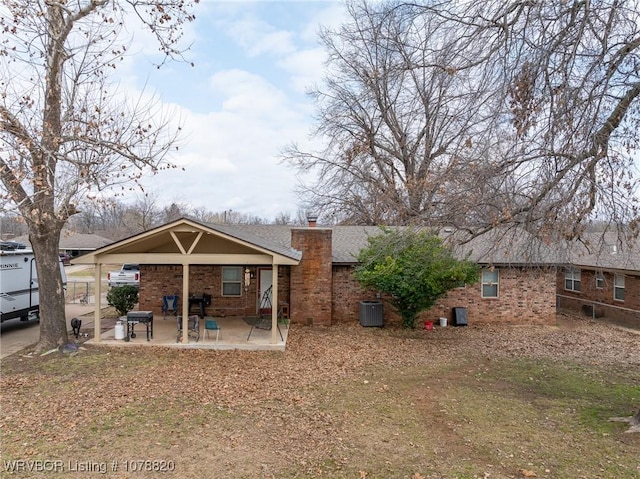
(347, 241)
(608, 251)
(75, 241)
(497, 247)
(514, 247)
(270, 237)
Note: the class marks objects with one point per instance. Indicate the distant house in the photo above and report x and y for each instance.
(306, 273)
(601, 278)
(75, 244)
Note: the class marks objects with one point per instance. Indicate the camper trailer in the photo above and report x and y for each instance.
(19, 296)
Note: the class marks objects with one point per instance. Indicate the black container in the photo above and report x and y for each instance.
(371, 313)
(459, 317)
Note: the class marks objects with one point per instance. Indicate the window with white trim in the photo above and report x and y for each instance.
(618, 287)
(231, 281)
(572, 280)
(490, 283)
(599, 280)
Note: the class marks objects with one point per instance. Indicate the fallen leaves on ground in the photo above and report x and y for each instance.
(282, 383)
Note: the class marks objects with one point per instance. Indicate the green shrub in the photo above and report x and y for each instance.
(123, 298)
(415, 268)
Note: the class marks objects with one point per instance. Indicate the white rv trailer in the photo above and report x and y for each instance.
(19, 295)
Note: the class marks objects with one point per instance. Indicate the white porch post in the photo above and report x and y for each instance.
(185, 303)
(274, 304)
(97, 290)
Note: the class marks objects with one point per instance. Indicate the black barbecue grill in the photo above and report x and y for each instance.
(139, 317)
(201, 301)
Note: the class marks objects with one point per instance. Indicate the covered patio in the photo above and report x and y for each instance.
(187, 258)
(235, 333)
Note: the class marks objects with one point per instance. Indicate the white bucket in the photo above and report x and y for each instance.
(119, 331)
(443, 322)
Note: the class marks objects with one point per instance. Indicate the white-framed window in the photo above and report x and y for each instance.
(618, 287)
(599, 280)
(231, 281)
(572, 280)
(490, 283)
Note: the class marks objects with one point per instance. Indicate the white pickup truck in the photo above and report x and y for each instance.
(128, 274)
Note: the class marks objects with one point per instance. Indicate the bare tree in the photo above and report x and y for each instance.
(173, 212)
(282, 218)
(569, 93)
(104, 217)
(64, 135)
(11, 225)
(401, 120)
(111, 219)
(480, 114)
(86, 220)
(146, 211)
(285, 218)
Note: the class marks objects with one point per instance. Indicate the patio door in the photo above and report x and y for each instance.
(265, 298)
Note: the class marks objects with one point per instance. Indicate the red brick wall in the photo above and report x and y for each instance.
(525, 297)
(159, 280)
(589, 296)
(311, 287)
(321, 294)
(347, 294)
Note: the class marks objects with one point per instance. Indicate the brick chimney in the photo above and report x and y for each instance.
(311, 280)
(312, 219)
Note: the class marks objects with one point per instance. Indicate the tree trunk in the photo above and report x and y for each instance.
(635, 420)
(408, 318)
(53, 323)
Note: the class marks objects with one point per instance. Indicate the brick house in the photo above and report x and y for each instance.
(306, 273)
(601, 279)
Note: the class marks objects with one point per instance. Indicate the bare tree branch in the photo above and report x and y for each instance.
(479, 115)
(65, 131)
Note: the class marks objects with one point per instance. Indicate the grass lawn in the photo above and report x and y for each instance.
(341, 402)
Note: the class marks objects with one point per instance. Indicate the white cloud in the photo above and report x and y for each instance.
(231, 156)
(247, 92)
(258, 37)
(304, 67)
(254, 107)
(330, 17)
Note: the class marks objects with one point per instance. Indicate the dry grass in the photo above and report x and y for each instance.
(341, 402)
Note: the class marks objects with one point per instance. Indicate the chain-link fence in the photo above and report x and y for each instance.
(82, 291)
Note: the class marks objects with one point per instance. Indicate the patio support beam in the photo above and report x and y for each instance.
(185, 303)
(177, 242)
(97, 291)
(274, 305)
(195, 243)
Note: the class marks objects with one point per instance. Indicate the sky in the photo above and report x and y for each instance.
(241, 104)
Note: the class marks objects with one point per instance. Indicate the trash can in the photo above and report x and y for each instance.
(459, 317)
(119, 330)
(371, 313)
(443, 322)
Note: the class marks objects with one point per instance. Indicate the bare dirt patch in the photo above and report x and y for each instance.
(344, 401)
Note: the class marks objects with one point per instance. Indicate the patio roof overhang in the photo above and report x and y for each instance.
(186, 242)
(191, 242)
